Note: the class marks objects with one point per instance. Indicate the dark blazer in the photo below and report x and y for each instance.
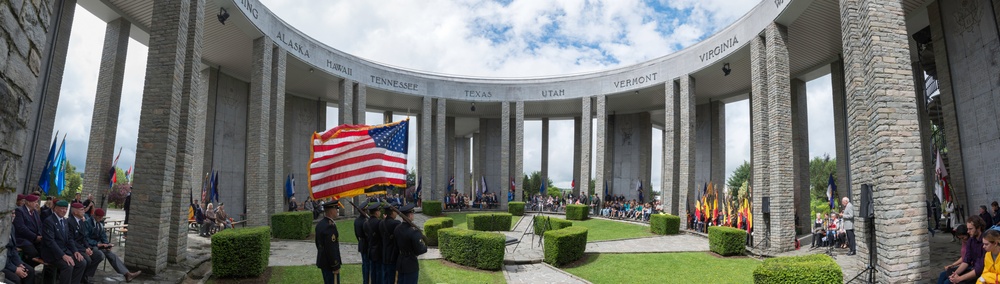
(327, 245)
(359, 231)
(28, 227)
(374, 238)
(389, 250)
(78, 233)
(56, 240)
(411, 244)
(13, 259)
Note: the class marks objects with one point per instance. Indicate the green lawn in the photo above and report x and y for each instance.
(461, 223)
(346, 230)
(687, 267)
(431, 271)
(602, 230)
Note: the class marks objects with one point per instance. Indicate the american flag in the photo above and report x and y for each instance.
(350, 159)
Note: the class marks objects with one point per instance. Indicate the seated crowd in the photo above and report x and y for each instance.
(70, 242)
(980, 239)
(210, 219)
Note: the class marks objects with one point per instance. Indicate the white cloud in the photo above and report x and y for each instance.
(475, 38)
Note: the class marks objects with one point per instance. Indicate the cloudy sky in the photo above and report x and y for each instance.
(519, 38)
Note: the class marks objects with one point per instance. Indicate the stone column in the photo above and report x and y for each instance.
(156, 147)
(345, 107)
(277, 132)
(840, 127)
(20, 72)
(519, 150)
(441, 177)
(358, 106)
(461, 168)
(671, 152)
(190, 134)
(452, 153)
(924, 122)
(585, 127)
(545, 152)
(426, 167)
(258, 176)
(781, 168)
(949, 116)
(477, 165)
(717, 112)
(800, 156)
(685, 172)
(45, 56)
(504, 187)
(577, 152)
(759, 142)
(602, 139)
(104, 124)
(882, 105)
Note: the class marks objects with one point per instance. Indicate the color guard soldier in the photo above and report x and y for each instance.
(390, 252)
(328, 244)
(359, 232)
(410, 242)
(374, 238)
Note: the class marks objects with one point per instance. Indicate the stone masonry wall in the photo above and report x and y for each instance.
(19, 72)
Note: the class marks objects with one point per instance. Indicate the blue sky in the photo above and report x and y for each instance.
(516, 38)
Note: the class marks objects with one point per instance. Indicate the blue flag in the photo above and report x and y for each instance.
(289, 189)
(215, 188)
(640, 191)
(43, 181)
(451, 185)
(542, 188)
(831, 190)
(59, 168)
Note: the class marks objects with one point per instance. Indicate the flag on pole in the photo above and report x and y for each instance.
(350, 160)
(485, 189)
(831, 189)
(128, 174)
(572, 184)
(639, 189)
(606, 192)
(59, 167)
(513, 188)
(215, 187)
(43, 181)
(941, 186)
(451, 185)
(114, 176)
(289, 188)
(542, 187)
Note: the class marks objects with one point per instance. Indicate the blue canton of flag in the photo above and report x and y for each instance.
(392, 138)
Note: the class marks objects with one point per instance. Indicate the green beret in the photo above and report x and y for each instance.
(62, 203)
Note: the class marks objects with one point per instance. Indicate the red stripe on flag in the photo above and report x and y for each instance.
(345, 160)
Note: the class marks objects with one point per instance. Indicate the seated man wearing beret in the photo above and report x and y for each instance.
(99, 238)
(58, 248)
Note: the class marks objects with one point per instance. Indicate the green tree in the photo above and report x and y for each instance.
(74, 182)
(411, 178)
(533, 182)
(820, 170)
(740, 175)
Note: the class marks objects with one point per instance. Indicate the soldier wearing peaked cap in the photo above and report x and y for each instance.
(390, 252)
(359, 232)
(374, 240)
(328, 244)
(410, 243)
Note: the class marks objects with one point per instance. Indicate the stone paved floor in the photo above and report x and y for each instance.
(538, 273)
(522, 260)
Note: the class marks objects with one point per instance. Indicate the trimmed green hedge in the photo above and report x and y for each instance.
(565, 245)
(516, 208)
(432, 208)
(554, 224)
(577, 212)
(481, 250)
(295, 225)
(814, 268)
(433, 225)
(489, 221)
(726, 241)
(664, 224)
(241, 252)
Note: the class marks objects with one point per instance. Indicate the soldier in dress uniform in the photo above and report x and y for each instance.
(374, 238)
(410, 242)
(390, 252)
(359, 232)
(328, 244)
